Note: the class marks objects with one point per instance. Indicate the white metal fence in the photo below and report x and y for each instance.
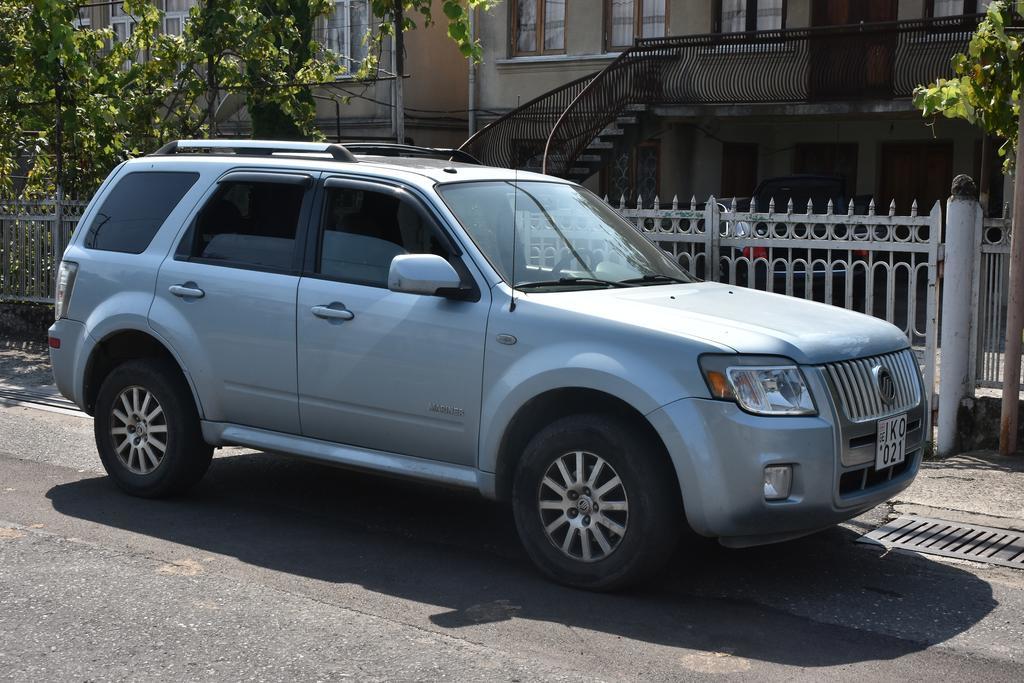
(881, 265)
(33, 235)
(991, 277)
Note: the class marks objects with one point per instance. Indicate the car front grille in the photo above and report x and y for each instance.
(868, 478)
(855, 389)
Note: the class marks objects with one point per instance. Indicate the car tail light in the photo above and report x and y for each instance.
(65, 284)
(754, 253)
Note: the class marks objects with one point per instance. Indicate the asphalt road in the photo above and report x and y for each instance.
(278, 569)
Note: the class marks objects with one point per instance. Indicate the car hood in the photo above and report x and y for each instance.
(746, 320)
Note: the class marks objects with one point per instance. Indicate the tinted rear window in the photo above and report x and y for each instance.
(135, 209)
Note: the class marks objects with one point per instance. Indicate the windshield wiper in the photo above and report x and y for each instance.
(572, 281)
(653, 278)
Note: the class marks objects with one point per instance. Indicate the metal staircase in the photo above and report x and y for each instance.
(618, 136)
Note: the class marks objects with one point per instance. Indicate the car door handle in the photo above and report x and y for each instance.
(187, 291)
(329, 313)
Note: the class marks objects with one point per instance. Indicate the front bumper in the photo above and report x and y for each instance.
(720, 453)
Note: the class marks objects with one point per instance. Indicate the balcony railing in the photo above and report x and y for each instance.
(803, 65)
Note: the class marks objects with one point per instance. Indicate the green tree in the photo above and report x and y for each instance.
(289, 27)
(75, 102)
(265, 50)
(987, 86)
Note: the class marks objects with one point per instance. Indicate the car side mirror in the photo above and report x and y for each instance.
(423, 274)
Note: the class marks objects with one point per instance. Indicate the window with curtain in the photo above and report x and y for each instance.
(176, 15)
(345, 31)
(627, 19)
(123, 24)
(737, 16)
(949, 8)
(84, 19)
(539, 27)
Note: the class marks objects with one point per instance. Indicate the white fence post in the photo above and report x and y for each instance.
(963, 214)
(712, 219)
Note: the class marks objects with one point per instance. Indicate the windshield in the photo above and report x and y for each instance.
(564, 236)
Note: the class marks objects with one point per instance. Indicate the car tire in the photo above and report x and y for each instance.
(627, 540)
(147, 430)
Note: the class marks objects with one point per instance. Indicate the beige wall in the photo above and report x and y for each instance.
(798, 13)
(689, 16)
(911, 9)
(438, 73)
(504, 81)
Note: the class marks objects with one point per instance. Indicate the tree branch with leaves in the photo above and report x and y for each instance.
(988, 82)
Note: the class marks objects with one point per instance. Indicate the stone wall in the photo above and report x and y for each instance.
(25, 322)
(978, 424)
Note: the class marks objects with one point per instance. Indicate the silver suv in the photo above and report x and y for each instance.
(475, 328)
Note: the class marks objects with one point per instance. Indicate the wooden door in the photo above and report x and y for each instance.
(739, 170)
(855, 65)
(914, 170)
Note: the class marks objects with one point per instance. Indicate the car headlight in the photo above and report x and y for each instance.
(759, 389)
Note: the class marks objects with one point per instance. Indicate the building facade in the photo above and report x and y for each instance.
(795, 94)
(349, 109)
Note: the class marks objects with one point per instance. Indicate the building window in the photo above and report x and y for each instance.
(84, 20)
(176, 15)
(122, 23)
(738, 16)
(539, 27)
(345, 32)
(633, 174)
(627, 19)
(950, 8)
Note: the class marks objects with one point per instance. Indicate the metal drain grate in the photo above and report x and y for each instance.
(37, 398)
(949, 539)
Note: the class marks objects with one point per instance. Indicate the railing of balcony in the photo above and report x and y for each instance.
(856, 62)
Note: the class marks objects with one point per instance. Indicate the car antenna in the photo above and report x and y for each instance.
(515, 201)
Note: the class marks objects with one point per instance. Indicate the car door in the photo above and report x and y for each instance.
(386, 370)
(225, 300)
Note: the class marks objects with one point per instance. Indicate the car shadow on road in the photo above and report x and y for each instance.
(818, 601)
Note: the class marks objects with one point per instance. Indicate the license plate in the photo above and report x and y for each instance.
(891, 446)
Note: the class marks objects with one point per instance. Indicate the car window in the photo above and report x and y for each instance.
(248, 224)
(547, 232)
(135, 209)
(364, 230)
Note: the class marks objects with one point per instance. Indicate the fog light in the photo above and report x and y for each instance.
(778, 480)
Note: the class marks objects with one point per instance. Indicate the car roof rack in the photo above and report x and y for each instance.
(256, 148)
(394, 149)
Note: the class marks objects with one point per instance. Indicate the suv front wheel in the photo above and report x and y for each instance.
(147, 430)
(595, 503)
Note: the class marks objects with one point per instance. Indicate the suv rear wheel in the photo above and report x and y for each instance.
(147, 430)
(595, 503)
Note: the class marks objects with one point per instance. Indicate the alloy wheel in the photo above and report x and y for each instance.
(583, 506)
(139, 429)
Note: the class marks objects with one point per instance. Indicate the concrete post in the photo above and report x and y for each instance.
(963, 215)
